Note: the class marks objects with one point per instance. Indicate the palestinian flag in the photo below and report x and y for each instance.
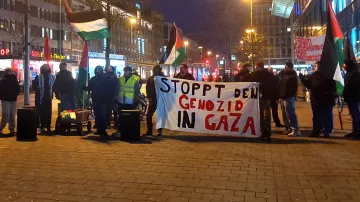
(332, 56)
(90, 25)
(175, 51)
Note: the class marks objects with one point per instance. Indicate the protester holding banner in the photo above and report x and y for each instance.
(151, 94)
(267, 90)
(244, 74)
(184, 73)
(287, 92)
(352, 96)
(322, 97)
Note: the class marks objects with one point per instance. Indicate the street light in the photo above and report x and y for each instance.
(132, 21)
(186, 43)
(250, 30)
(201, 54)
(241, 42)
(209, 53)
(217, 56)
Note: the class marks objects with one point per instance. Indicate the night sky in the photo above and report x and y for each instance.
(187, 14)
(201, 20)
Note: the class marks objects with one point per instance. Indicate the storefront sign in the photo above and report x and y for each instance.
(4, 52)
(309, 48)
(211, 108)
(102, 55)
(38, 54)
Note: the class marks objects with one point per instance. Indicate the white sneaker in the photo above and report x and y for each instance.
(295, 133)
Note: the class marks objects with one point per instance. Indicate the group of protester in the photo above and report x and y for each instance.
(111, 94)
(282, 89)
(274, 90)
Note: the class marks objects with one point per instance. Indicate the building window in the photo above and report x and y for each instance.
(66, 35)
(2, 24)
(51, 34)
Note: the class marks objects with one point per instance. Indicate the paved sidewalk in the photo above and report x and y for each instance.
(182, 167)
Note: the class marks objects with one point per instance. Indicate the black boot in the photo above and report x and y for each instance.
(315, 133)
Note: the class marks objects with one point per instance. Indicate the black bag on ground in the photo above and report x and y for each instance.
(129, 121)
(27, 123)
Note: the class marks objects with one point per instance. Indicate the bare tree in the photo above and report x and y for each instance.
(113, 15)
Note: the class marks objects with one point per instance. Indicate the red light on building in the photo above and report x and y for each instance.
(4, 51)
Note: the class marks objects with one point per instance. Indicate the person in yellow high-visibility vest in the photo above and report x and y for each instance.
(129, 90)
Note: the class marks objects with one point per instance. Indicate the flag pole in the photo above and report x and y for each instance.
(87, 78)
(340, 109)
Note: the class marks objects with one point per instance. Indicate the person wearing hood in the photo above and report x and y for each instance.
(322, 98)
(9, 91)
(288, 84)
(244, 74)
(267, 89)
(151, 94)
(44, 85)
(101, 94)
(351, 95)
(114, 83)
(64, 88)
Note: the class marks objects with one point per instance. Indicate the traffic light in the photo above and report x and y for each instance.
(207, 62)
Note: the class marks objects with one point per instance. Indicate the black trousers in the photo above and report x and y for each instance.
(45, 110)
(149, 115)
(274, 111)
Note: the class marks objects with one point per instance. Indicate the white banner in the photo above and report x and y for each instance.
(211, 108)
(309, 48)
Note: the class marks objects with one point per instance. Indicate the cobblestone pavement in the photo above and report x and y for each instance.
(182, 167)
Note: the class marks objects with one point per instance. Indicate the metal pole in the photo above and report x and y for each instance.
(131, 41)
(60, 31)
(27, 56)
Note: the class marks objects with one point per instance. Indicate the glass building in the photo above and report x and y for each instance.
(309, 17)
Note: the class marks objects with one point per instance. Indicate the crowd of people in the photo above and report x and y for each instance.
(110, 94)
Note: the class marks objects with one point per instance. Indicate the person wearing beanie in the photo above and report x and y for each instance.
(267, 90)
(101, 94)
(112, 107)
(322, 98)
(288, 85)
(351, 95)
(151, 94)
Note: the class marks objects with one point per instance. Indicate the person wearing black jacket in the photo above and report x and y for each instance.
(101, 94)
(244, 74)
(267, 89)
(184, 73)
(151, 94)
(322, 98)
(288, 84)
(274, 99)
(112, 106)
(351, 95)
(9, 91)
(64, 88)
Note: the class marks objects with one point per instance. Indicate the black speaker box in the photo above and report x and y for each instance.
(27, 123)
(129, 121)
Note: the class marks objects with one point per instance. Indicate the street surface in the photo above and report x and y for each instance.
(183, 167)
